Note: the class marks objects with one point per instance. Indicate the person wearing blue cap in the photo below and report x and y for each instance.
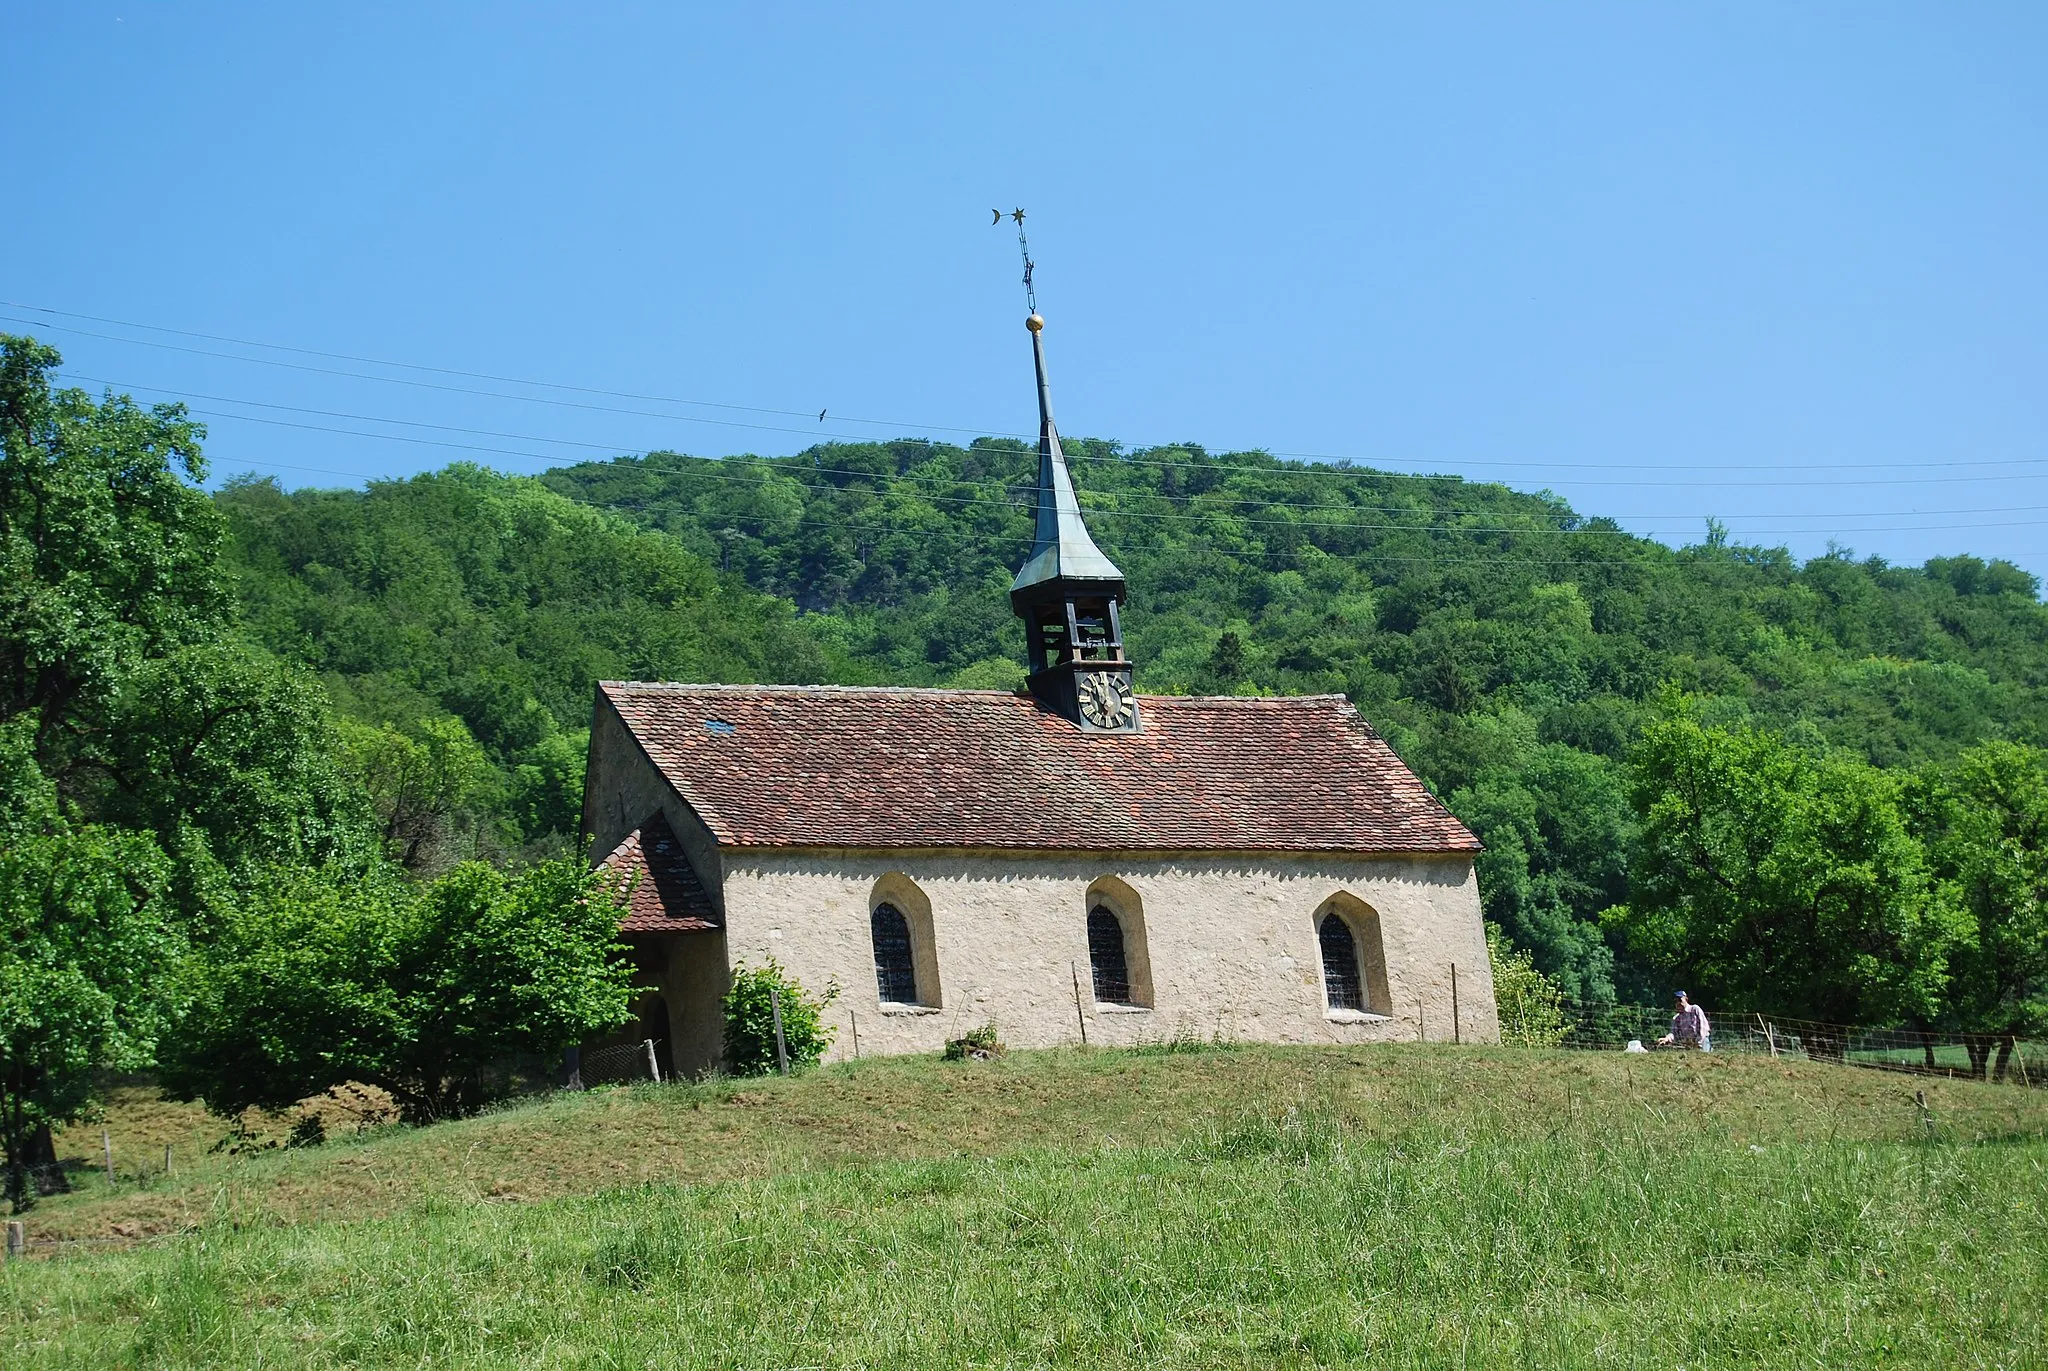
(1689, 1027)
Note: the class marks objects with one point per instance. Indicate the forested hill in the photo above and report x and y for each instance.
(1509, 647)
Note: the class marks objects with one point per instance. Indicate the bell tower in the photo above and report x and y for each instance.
(1069, 594)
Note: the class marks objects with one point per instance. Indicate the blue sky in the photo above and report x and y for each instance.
(1782, 265)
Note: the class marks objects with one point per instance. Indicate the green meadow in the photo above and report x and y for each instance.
(1395, 1206)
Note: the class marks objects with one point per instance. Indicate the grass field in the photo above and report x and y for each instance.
(1393, 1206)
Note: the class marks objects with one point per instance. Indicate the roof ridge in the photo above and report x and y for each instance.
(949, 692)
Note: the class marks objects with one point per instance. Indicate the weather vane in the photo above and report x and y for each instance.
(1024, 249)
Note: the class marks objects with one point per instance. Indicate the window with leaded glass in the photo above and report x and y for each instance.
(1341, 981)
(895, 970)
(1106, 957)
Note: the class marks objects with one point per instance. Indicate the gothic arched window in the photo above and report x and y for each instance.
(1106, 957)
(895, 970)
(1341, 981)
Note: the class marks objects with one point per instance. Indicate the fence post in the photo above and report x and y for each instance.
(781, 1047)
(107, 1145)
(653, 1066)
(16, 1242)
(1079, 1017)
(167, 1160)
(1770, 1038)
(1457, 1020)
(856, 1033)
(1926, 1119)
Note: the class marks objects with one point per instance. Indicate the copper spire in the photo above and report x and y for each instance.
(1062, 549)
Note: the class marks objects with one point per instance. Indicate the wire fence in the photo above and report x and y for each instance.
(621, 1065)
(1913, 1050)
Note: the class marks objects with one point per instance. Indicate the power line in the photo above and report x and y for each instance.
(781, 463)
(1346, 459)
(1102, 511)
(908, 478)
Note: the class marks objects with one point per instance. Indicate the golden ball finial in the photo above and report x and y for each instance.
(1035, 323)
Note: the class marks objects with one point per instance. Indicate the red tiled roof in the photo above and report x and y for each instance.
(667, 897)
(845, 766)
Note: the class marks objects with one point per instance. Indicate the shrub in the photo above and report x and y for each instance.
(424, 991)
(750, 1020)
(977, 1044)
(1532, 1012)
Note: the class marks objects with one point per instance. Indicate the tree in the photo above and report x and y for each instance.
(1776, 879)
(88, 959)
(1985, 822)
(225, 742)
(756, 995)
(424, 782)
(1557, 825)
(108, 555)
(1532, 1011)
(135, 737)
(425, 992)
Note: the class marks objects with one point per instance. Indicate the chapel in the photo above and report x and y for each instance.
(1071, 861)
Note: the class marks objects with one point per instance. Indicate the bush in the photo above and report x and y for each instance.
(1532, 1012)
(423, 991)
(750, 1020)
(978, 1044)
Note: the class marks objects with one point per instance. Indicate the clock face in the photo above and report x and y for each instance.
(1106, 699)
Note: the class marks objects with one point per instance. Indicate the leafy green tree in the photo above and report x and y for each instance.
(148, 757)
(1532, 1008)
(547, 786)
(1781, 880)
(425, 991)
(1985, 821)
(223, 741)
(756, 995)
(109, 557)
(88, 957)
(426, 783)
(1557, 825)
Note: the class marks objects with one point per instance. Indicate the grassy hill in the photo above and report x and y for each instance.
(1393, 1206)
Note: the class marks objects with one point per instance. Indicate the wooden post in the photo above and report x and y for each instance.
(1457, 1020)
(1422, 1019)
(653, 1064)
(107, 1145)
(781, 1047)
(1926, 1119)
(856, 1033)
(1770, 1038)
(167, 1159)
(17, 1244)
(1079, 1017)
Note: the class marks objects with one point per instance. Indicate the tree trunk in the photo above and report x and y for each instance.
(1826, 1044)
(1978, 1045)
(2005, 1045)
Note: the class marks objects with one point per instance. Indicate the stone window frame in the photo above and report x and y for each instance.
(1128, 908)
(1368, 945)
(899, 891)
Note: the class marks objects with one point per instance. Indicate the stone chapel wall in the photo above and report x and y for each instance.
(1229, 944)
